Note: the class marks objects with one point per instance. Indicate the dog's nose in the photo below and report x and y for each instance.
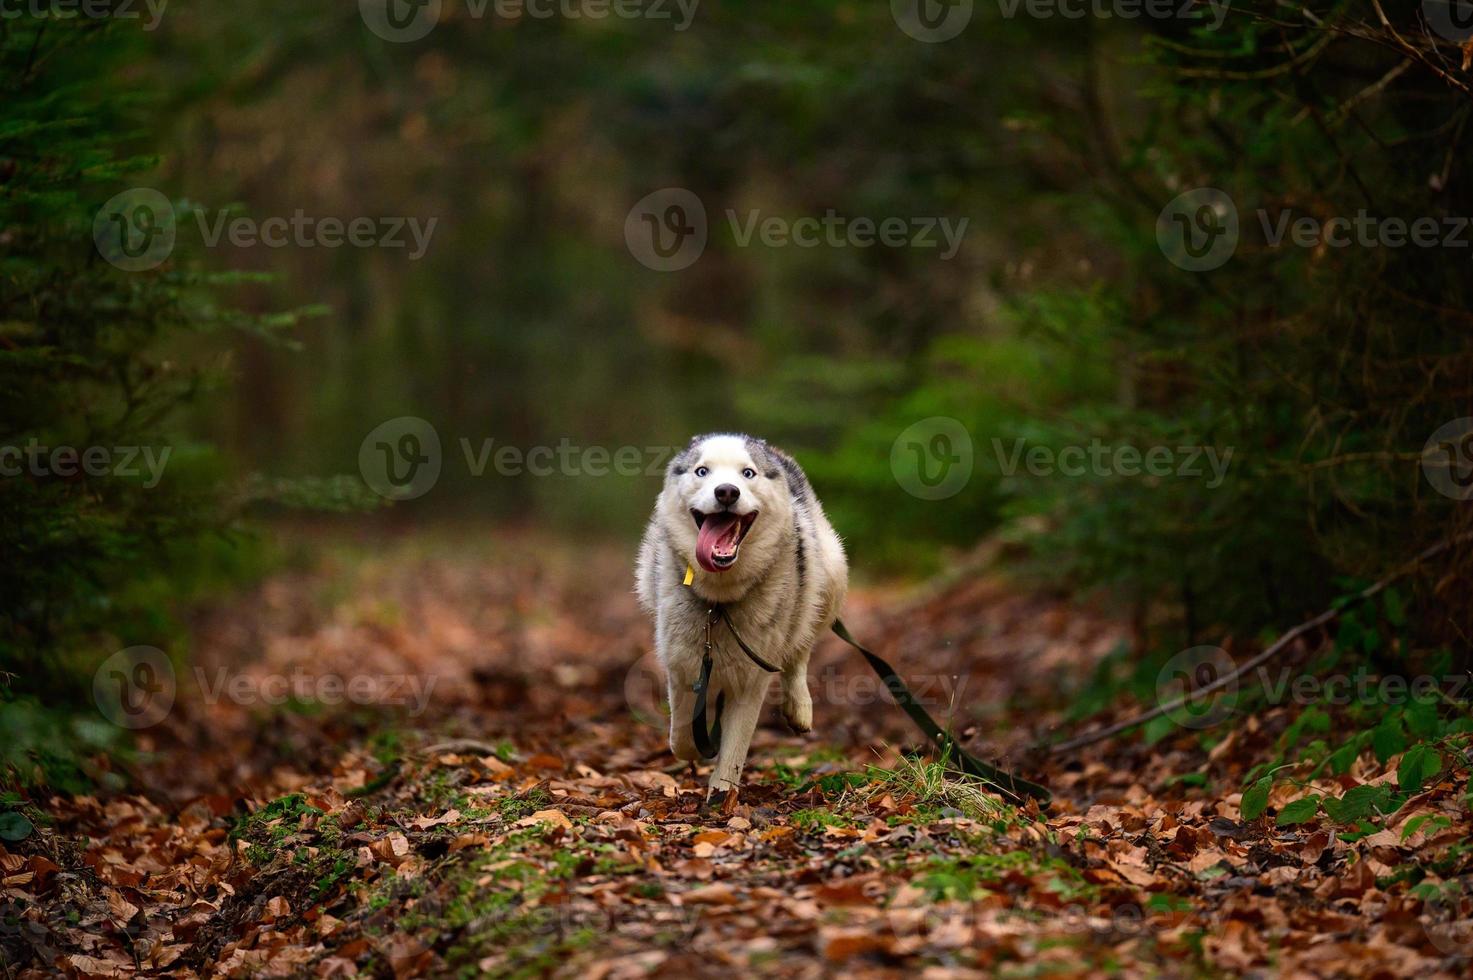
(726, 494)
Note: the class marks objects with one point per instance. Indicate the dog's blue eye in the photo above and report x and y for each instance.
(702, 471)
(749, 473)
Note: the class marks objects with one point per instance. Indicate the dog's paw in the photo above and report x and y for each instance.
(722, 801)
(798, 712)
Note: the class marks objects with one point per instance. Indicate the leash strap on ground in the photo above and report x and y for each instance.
(1012, 787)
(708, 740)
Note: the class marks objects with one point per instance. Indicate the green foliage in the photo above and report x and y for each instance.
(1299, 811)
(44, 744)
(14, 826)
(813, 820)
(111, 510)
(1255, 798)
(1420, 764)
(935, 784)
(1359, 803)
(1059, 323)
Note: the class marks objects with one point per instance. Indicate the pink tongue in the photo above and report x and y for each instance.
(718, 532)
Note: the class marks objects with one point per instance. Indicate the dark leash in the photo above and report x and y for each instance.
(1010, 787)
(707, 742)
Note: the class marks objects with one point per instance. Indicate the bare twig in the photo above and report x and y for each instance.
(1268, 654)
(460, 745)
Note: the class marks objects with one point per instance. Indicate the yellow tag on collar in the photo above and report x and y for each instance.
(690, 575)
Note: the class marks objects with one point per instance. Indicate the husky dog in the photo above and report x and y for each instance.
(738, 518)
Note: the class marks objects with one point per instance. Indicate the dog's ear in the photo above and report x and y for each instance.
(681, 463)
(774, 463)
(764, 456)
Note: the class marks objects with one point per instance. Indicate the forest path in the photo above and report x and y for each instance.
(470, 775)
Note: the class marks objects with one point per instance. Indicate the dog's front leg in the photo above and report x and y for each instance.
(797, 702)
(682, 708)
(737, 728)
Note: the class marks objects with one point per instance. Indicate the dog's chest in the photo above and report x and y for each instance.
(769, 626)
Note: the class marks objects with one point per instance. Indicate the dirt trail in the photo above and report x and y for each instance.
(517, 813)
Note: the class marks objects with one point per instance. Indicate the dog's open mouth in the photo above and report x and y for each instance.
(719, 537)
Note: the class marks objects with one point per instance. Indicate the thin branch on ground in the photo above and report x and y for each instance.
(1277, 647)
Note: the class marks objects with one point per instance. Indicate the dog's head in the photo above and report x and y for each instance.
(727, 503)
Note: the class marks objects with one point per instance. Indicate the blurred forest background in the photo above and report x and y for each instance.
(528, 321)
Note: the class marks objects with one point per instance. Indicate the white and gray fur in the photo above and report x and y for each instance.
(783, 592)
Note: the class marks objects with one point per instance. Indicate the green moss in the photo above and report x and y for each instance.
(814, 819)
